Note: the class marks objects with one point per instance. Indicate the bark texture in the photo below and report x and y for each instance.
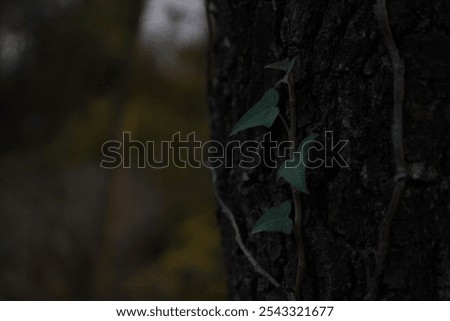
(344, 83)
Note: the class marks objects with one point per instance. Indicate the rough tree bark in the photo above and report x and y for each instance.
(344, 83)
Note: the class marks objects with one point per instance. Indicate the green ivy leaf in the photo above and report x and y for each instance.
(263, 113)
(285, 66)
(275, 219)
(294, 171)
(279, 65)
(291, 65)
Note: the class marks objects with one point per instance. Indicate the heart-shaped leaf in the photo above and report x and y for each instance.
(275, 219)
(294, 170)
(263, 113)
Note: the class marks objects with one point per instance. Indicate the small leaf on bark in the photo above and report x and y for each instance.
(275, 219)
(294, 170)
(263, 113)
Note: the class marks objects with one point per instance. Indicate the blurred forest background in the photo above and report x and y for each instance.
(73, 74)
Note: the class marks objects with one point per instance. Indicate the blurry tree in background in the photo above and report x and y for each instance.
(74, 74)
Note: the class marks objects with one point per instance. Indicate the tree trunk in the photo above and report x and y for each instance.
(344, 84)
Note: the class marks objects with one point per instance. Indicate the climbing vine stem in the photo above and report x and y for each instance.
(293, 170)
(400, 176)
(296, 195)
